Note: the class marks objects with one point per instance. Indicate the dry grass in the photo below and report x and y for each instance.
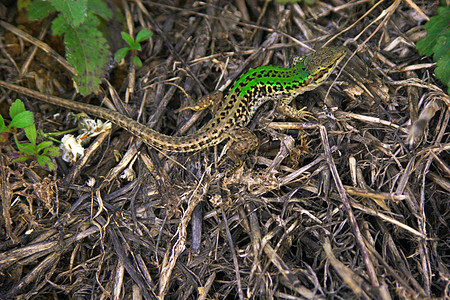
(353, 205)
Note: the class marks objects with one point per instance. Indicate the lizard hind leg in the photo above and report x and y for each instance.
(242, 140)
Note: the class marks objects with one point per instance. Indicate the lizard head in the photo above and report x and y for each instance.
(319, 65)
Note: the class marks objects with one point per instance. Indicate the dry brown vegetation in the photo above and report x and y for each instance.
(352, 205)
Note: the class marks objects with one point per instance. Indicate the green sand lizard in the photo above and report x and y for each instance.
(249, 92)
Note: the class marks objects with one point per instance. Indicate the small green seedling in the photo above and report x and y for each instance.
(134, 46)
(437, 42)
(23, 119)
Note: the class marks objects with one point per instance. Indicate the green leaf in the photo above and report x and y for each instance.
(100, 8)
(2, 124)
(443, 69)
(137, 61)
(143, 35)
(27, 148)
(30, 149)
(88, 51)
(30, 132)
(16, 108)
(21, 158)
(121, 53)
(21, 4)
(39, 9)
(52, 151)
(127, 38)
(442, 45)
(22, 120)
(59, 25)
(51, 166)
(45, 162)
(43, 145)
(435, 28)
(73, 11)
(436, 43)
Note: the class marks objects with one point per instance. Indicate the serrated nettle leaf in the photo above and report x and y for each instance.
(88, 51)
(443, 70)
(59, 25)
(128, 39)
(100, 8)
(30, 132)
(22, 120)
(73, 11)
(39, 9)
(16, 108)
(121, 53)
(143, 35)
(435, 27)
(137, 61)
(437, 42)
(91, 20)
(442, 45)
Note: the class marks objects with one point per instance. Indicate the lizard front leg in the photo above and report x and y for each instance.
(212, 100)
(297, 114)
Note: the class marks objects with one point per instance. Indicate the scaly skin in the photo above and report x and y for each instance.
(249, 92)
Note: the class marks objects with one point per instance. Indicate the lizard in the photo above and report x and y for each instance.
(240, 103)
